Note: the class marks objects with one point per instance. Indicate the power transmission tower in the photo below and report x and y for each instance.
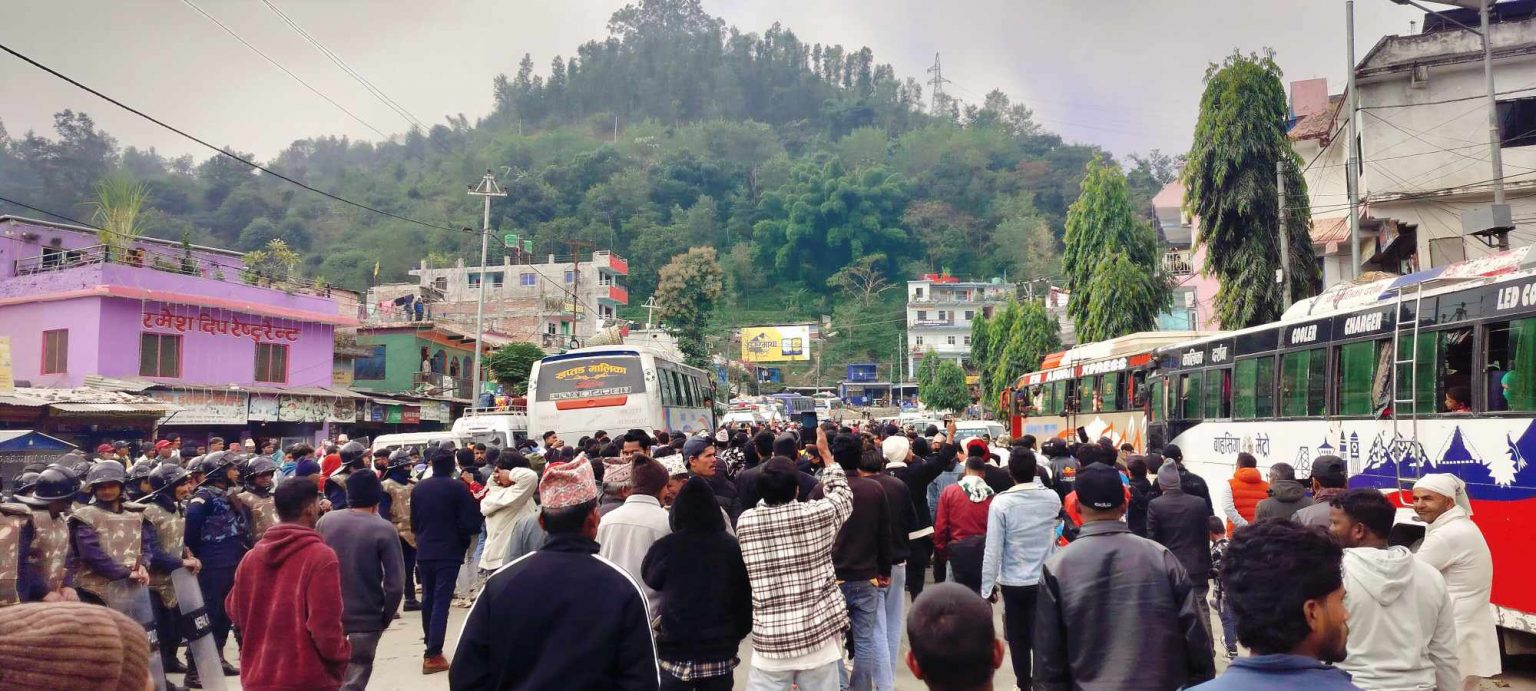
(937, 82)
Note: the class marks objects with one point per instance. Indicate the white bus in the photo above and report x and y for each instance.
(617, 388)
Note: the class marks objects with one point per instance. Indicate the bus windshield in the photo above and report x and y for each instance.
(588, 379)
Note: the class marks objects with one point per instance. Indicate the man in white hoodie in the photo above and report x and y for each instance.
(1402, 627)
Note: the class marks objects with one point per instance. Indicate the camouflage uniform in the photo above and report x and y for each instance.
(15, 522)
(400, 509)
(49, 554)
(121, 535)
(170, 538)
(260, 512)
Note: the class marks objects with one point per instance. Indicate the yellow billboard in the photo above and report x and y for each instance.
(776, 343)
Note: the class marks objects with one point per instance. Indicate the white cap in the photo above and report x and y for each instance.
(674, 465)
(342, 439)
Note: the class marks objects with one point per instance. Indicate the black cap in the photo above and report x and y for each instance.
(364, 490)
(1326, 468)
(1098, 485)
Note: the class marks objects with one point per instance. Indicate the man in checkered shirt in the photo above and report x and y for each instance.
(798, 613)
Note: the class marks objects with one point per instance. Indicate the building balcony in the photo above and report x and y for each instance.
(614, 293)
(441, 385)
(609, 262)
(1179, 262)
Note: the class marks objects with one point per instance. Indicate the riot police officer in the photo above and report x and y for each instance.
(396, 508)
(110, 538)
(15, 542)
(138, 484)
(255, 499)
(352, 457)
(216, 533)
(48, 494)
(170, 484)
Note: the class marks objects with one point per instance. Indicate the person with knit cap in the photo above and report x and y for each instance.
(508, 497)
(287, 603)
(72, 646)
(582, 621)
(444, 519)
(368, 550)
(1455, 546)
(707, 605)
(1179, 522)
(627, 533)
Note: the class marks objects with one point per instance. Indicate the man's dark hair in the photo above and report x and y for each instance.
(301, 450)
(846, 450)
(1127, 447)
(1214, 525)
(871, 461)
(662, 437)
(1022, 464)
(567, 519)
(442, 464)
(479, 446)
(1460, 394)
(1027, 441)
(763, 443)
(1137, 465)
(547, 435)
(1271, 570)
(215, 440)
(600, 434)
(921, 448)
(639, 437)
(1283, 471)
(292, 496)
(1369, 508)
(465, 457)
(952, 636)
(1246, 460)
(976, 463)
(931, 430)
(1174, 452)
(779, 481)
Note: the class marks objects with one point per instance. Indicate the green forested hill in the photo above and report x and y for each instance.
(794, 161)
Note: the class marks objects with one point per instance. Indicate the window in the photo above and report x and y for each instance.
(949, 340)
(474, 279)
(271, 362)
(943, 315)
(1361, 371)
(371, 367)
(1517, 122)
(1069, 395)
(1303, 382)
(1138, 389)
(527, 279)
(919, 340)
(1189, 396)
(159, 355)
(1254, 392)
(970, 314)
(1157, 400)
(1511, 365)
(570, 277)
(1443, 367)
(1111, 392)
(967, 340)
(440, 283)
(1218, 394)
(922, 315)
(56, 351)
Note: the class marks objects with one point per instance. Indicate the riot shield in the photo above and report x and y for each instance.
(132, 599)
(197, 628)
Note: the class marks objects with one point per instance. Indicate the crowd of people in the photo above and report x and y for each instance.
(644, 561)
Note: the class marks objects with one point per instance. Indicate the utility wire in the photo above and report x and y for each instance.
(223, 152)
(285, 70)
(336, 60)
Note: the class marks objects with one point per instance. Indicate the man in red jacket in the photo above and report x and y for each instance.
(286, 601)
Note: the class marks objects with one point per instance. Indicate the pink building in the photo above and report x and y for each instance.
(1194, 299)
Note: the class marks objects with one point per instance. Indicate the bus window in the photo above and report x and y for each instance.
(1073, 403)
(1303, 383)
(1511, 365)
(1138, 389)
(1157, 400)
(1189, 396)
(1218, 393)
(1359, 374)
(1443, 363)
(1093, 398)
(1112, 391)
(1254, 388)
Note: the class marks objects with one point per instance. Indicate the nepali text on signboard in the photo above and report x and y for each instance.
(256, 330)
(594, 377)
(204, 407)
(776, 343)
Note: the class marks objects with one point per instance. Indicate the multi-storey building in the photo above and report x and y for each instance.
(940, 309)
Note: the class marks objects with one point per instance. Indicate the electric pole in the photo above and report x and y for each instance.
(485, 190)
(1285, 237)
(1352, 158)
(937, 83)
(575, 247)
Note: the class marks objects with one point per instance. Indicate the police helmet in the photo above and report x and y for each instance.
(400, 458)
(259, 465)
(25, 482)
(352, 452)
(54, 483)
(103, 473)
(167, 475)
(140, 471)
(211, 463)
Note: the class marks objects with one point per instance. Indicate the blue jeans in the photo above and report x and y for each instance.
(823, 678)
(1228, 624)
(871, 649)
(437, 577)
(895, 601)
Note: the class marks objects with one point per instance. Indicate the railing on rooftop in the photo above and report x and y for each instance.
(163, 260)
(1178, 262)
(434, 384)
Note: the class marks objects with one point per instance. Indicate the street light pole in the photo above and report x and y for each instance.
(485, 190)
(1493, 114)
(1352, 158)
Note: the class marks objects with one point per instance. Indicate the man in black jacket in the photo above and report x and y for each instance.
(1115, 611)
(561, 617)
(903, 518)
(915, 472)
(1141, 495)
(1178, 521)
(1192, 484)
(444, 518)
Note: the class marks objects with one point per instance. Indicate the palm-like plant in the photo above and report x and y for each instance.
(118, 215)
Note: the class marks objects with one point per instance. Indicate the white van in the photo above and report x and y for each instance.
(502, 428)
(417, 439)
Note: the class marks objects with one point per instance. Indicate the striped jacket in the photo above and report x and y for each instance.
(796, 604)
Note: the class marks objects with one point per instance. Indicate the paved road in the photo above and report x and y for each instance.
(398, 665)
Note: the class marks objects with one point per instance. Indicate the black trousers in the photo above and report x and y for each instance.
(917, 564)
(167, 627)
(409, 553)
(216, 584)
(723, 682)
(1019, 628)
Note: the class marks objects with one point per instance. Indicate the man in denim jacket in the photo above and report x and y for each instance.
(1021, 534)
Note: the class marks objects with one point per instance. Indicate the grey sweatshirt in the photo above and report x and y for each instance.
(372, 568)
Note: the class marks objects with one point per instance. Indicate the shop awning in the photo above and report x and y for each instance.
(147, 409)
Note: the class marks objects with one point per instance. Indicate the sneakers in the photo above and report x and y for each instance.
(229, 669)
(434, 664)
(413, 605)
(1231, 653)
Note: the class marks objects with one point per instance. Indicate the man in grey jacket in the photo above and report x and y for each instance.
(1021, 534)
(1286, 496)
(1330, 479)
(372, 572)
(1116, 611)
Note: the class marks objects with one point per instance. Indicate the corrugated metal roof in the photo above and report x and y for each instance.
(156, 409)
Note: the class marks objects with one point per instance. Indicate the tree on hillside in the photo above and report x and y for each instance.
(511, 363)
(947, 390)
(863, 280)
(1108, 244)
(1240, 144)
(827, 218)
(687, 295)
(982, 350)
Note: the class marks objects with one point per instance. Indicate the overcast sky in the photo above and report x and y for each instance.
(1123, 74)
